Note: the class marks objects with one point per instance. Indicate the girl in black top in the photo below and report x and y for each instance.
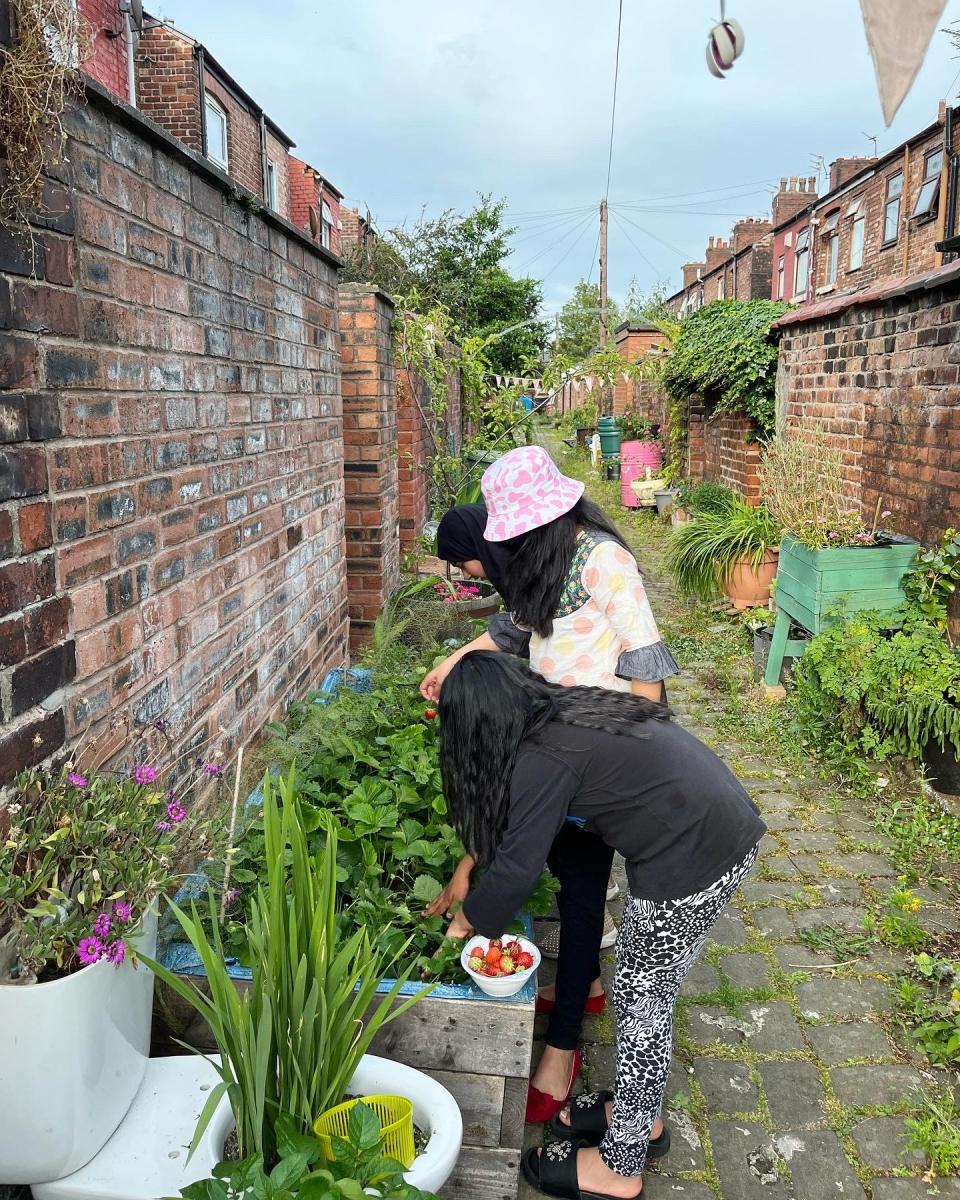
(520, 755)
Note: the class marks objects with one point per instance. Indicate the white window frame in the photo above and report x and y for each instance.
(781, 276)
(326, 225)
(833, 258)
(927, 195)
(892, 204)
(801, 258)
(273, 185)
(858, 233)
(214, 107)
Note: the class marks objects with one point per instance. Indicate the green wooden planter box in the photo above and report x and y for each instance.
(812, 583)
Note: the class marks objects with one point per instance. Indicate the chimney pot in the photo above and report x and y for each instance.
(783, 183)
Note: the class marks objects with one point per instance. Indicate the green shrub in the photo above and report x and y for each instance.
(704, 551)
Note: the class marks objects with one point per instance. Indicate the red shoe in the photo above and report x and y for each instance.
(540, 1106)
(593, 1006)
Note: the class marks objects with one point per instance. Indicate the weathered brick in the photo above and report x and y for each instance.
(13, 419)
(36, 527)
(46, 624)
(29, 743)
(39, 677)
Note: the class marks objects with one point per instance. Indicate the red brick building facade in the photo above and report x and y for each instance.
(108, 58)
(315, 205)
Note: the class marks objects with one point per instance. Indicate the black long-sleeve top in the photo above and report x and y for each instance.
(665, 801)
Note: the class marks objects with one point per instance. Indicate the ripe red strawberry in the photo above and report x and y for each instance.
(430, 713)
(493, 955)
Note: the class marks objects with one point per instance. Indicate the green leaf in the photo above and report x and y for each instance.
(426, 888)
(363, 1127)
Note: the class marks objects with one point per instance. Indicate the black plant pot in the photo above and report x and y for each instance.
(761, 652)
(611, 470)
(943, 768)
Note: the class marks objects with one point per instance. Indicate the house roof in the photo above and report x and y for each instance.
(324, 181)
(636, 327)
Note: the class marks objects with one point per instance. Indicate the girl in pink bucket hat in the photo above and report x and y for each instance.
(580, 609)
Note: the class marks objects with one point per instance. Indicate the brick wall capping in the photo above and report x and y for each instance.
(889, 289)
(368, 289)
(133, 119)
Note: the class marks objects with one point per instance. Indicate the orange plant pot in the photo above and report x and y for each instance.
(749, 587)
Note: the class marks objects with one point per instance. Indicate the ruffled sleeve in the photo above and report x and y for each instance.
(611, 577)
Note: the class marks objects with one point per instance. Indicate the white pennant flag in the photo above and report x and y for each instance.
(625, 377)
(899, 34)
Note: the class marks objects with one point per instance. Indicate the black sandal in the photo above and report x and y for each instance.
(553, 1171)
(588, 1124)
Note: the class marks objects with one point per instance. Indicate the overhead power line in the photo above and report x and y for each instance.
(613, 113)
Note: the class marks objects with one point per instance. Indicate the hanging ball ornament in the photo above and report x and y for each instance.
(724, 46)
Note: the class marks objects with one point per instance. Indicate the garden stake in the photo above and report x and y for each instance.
(233, 830)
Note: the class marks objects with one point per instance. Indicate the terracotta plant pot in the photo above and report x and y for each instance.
(746, 587)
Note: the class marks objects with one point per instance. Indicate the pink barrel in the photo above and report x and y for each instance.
(635, 457)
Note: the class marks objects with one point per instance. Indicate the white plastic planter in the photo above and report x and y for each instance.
(72, 1055)
(147, 1156)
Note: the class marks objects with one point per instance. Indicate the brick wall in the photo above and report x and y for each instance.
(107, 62)
(370, 452)
(168, 84)
(633, 342)
(243, 136)
(881, 376)
(722, 448)
(171, 496)
(278, 154)
(308, 191)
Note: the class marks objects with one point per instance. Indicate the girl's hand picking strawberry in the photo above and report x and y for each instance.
(459, 927)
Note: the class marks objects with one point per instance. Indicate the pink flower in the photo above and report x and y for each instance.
(78, 781)
(116, 952)
(90, 950)
(162, 826)
(101, 926)
(886, 513)
(121, 910)
(212, 768)
(176, 812)
(831, 534)
(145, 774)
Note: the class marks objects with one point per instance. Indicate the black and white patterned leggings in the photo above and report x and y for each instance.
(658, 944)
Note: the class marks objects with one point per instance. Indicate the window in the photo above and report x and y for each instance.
(216, 120)
(273, 188)
(856, 243)
(326, 226)
(891, 208)
(855, 206)
(801, 272)
(720, 282)
(781, 269)
(831, 247)
(926, 205)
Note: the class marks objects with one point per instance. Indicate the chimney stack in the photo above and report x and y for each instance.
(692, 272)
(794, 196)
(718, 251)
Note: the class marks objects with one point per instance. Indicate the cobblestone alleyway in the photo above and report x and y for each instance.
(791, 1078)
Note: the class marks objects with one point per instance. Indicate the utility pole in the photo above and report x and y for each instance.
(603, 273)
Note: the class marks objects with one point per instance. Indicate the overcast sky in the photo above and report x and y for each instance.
(412, 103)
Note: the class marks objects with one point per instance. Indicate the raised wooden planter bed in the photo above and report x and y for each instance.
(812, 583)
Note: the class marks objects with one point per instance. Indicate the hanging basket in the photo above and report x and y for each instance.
(395, 1114)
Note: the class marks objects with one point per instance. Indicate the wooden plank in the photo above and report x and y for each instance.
(480, 1099)
(838, 558)
(484, 1174)
(514, 1112)
(461, 1035)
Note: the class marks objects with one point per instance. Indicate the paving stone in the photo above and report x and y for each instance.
(804, 867)
(762, 891)
(915, 1189)
(746, 971)
(773, 800)
(938, 919)
(822, 998)
(882, 1144)
(686, 1146)
(777, 822)
(701, 978)
(874, 866)
(728, 931)
(874, 1087)
(665, 1187)
(774, 923)
(819, 1166)
(747, 1162)
(841, 891)
(838, 1043)
(768, 1028)
(794, 1092)
(840, 917)
(812, 842)
(726, 1085)
(792, 957)
(823, 818)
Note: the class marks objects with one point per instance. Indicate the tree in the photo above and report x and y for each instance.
(501, 302)
(579, 321)
(647, 306)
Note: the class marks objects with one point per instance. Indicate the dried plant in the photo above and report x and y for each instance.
(39, 74)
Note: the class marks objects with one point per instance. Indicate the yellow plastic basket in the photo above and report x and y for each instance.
(395, 1114)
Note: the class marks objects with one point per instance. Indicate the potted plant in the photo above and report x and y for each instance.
(294, 1040)
(760, 623)
(611, 467)
(733, 551)
(85, 858)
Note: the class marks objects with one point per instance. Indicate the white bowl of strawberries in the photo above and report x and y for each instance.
(500, 966)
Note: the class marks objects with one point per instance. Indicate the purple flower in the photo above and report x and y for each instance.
(121, 911)
(144, 774)
(176, 812)
(101, 926)
(116, 952)
(78, 781)
(90, 950)
(232, 896)
(162, 826)
(212, 768)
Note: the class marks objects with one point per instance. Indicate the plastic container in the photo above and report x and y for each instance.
(609, 437)
(505, 985)
(395, 1114)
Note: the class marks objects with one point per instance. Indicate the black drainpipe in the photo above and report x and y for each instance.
(951, 223)
(263, 159)
(203, 101)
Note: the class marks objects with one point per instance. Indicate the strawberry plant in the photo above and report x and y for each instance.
(370, 760)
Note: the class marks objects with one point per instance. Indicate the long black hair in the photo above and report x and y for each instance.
(541, 561)
(489, 703)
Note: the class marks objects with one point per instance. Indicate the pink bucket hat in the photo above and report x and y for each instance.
(524, 490)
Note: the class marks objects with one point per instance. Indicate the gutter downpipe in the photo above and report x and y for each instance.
(201, 71)
(951, 178)
(263, 159)
(131, 67)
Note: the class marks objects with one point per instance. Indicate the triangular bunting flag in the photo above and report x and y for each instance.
(898, 34)
(625, 377)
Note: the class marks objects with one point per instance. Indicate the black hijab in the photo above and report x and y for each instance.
(460, 539)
